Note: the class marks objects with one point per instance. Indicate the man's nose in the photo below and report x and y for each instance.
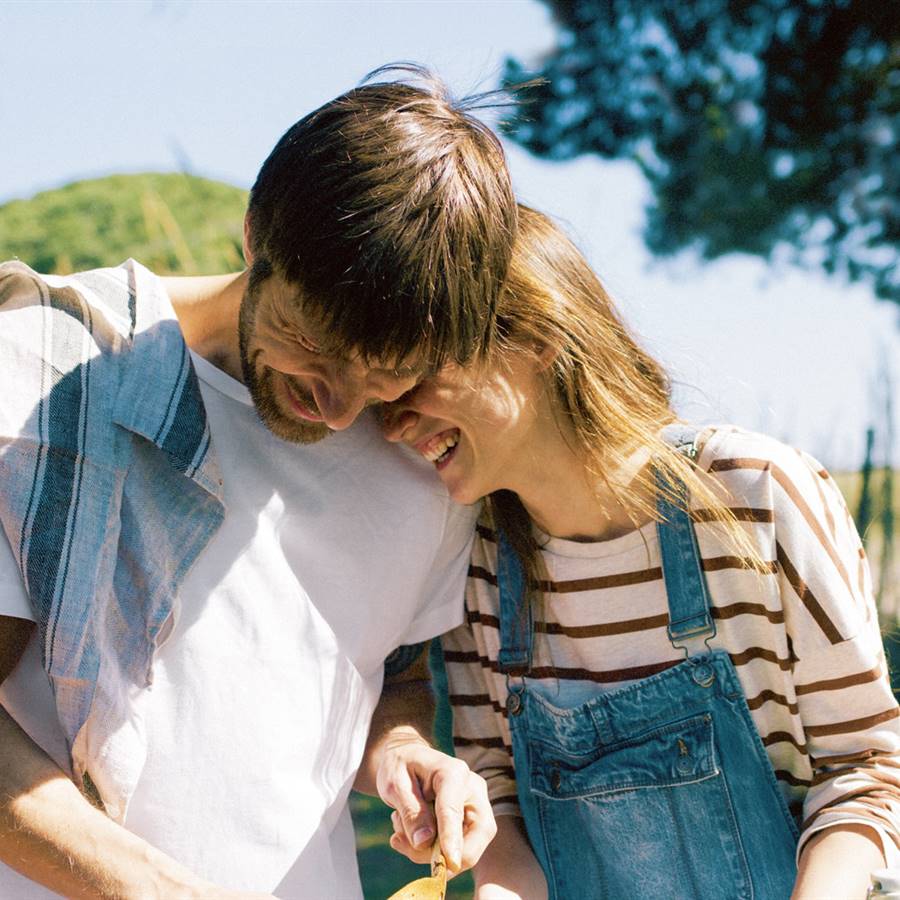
(340, 397)
(343, 396)
(339, 405)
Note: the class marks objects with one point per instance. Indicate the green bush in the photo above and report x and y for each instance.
(172, 223)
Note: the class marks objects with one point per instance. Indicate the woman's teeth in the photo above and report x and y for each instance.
(438, 451)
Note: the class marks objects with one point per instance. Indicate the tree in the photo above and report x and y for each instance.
(759, 124)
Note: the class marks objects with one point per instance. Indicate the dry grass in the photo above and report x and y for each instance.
(886, 579)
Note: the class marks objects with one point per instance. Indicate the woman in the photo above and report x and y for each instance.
(674, 704)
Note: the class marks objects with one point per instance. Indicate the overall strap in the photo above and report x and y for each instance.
(690, 621)
(516, 623)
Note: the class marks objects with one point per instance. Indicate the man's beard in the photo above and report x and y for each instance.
(262, 391)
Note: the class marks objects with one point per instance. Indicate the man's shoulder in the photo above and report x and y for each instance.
(380, 467)
(100, 301)
(60, 342)
(388, 483)
(106, 340)
(21, 287)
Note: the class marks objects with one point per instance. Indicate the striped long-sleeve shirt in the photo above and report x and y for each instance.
(803, 636)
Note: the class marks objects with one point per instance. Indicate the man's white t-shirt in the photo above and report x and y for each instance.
(330, 556)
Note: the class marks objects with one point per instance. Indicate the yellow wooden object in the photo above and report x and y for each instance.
(431, 888)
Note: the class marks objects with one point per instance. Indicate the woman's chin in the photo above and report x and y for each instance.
(457, 476)
(461, 493)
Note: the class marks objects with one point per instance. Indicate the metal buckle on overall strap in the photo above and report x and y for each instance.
(693, 641)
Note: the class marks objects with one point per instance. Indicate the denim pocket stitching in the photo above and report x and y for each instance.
(548, 754)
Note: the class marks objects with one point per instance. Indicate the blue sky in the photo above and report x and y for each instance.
(91, 88)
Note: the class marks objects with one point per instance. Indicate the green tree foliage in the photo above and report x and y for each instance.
(172, 223)
(758, 123)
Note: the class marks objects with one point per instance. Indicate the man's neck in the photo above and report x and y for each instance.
(207, 308)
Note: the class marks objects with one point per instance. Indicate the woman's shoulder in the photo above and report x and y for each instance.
(722, 445)
(758, 466)
(484, 527)
(483, 559)
(730, 448)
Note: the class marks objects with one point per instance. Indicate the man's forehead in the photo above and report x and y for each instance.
(286, 293)
(411, 365)
(312, 318)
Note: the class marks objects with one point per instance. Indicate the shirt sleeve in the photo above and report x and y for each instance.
(480, 736)
(21, 356)
(850, 717)
(442, 598)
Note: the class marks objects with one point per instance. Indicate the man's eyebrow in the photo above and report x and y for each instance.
(410, 369)
(422, 368)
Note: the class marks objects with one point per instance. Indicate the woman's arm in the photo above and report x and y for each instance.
(851, 721)
(508, 869)
(837, 863)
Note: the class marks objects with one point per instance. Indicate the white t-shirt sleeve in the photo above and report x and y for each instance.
(13, 599)
(441, 607)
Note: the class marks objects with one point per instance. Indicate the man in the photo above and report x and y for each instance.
(214, 590)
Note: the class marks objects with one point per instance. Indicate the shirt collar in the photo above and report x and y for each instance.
(159, 395)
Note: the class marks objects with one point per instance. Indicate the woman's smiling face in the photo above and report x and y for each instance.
(477, 425)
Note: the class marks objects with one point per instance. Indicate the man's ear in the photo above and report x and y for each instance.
(246, 242)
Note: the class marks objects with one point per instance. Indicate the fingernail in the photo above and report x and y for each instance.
(422, 836)
(454, 860)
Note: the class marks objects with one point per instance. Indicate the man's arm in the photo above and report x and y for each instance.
(14, 637)
(52, 834)
(402, 767)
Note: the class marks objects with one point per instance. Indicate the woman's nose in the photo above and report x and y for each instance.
(397, 420)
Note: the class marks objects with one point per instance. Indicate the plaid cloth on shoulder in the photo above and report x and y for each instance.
(109, 489)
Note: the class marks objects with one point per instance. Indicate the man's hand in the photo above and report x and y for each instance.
(410, 778)
(413, 778)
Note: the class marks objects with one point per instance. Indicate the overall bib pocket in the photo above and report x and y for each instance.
(643, 801)
(669, 755)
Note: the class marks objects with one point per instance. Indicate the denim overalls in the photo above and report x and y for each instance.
(661, 789)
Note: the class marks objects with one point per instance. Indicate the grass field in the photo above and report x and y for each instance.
(886, 579)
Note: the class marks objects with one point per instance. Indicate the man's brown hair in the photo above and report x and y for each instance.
(391, 210)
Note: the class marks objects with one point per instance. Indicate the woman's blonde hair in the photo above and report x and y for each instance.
(609, 394)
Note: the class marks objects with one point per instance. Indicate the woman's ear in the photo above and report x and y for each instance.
(246, 242)
(545, 354)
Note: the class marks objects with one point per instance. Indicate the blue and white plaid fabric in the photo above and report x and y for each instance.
(109, 489)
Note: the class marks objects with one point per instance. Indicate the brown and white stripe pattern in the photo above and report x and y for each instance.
(803, 637)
